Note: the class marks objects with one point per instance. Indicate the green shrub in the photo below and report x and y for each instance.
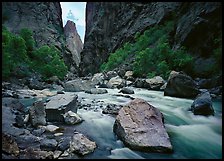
(48, 62)
(27, 35)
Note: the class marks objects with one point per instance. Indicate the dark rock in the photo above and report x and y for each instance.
(13, 103)
(64, 143)
(19, 121)
(181, 85)
(60, 92)
(139, 83)
(111, 109)
(140, 126)
(48, 144)
(37, 114)
(202, 105)
(38, 132)
(32, 153)
(110, 74)
(9, 145)
(126, 90)
(28, 140)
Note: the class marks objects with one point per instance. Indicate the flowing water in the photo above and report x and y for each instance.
(192, 136)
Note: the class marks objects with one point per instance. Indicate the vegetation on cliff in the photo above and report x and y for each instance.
(21, 58)
(152, 52)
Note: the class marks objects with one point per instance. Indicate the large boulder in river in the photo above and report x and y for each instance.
(59, 105)
(140, 126)
(181, 85)
(37, 114)
(202, 105)
(96, 91)
(72, 118)
(78, 85)
(81, 144)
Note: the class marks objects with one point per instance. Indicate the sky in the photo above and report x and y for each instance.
(75, 11)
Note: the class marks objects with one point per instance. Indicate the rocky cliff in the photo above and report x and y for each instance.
(44, 19)
(73, 43)
(110, 25)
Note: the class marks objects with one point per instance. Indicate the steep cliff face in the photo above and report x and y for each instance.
(43, 18)
(73, 43)
(110, 25)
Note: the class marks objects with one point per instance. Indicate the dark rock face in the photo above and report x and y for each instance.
(140, 126)
(74, 44)
(43, 18)
(181, 85)
(202, 105)
(109, 25)
(37, 114)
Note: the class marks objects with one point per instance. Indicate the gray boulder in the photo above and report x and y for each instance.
(72, 118)
(116, 82)
(37, 114)
(48, 144)
(78, 85)
(202, 105)
(181, 85)
(59, 105)
(111, 109)
(81, 144)
(154, 83)
(140, 126)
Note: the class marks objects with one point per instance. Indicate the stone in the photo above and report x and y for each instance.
(81, 144)
(181, 85)
(111, 109)
(57, 154)
(51, 128)
(37, 114)
(129, 75)
(64, 143)
(97, 91)
(202, 105)
(116, 82)
(59, 105)
(154, 83)
(126, 90)
(32, 153)
(72, 118)
(141, 127)
(9, 145)
(98, 78)
(48, 144)
(78, 85)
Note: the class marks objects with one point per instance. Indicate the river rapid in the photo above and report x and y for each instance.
(192, 136)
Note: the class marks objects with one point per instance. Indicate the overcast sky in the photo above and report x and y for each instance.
(78, 15)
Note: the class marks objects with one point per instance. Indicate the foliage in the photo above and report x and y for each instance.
(20, 58)
(48, 63)
(153, 54)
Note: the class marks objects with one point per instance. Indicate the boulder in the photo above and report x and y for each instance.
(126, 90)
(140, 126)
(9, 145)
(72, 118)
(97, 91)
(116, 82)
(154, 83)
(51, 128)
(202, 105)
(98, 78)
(59, 105)
(111, 109)
(32, 153)
(129, 75)
(48, 144)
(81, 144)
(139, 83)
(37, 114)
(78, 85)
(64, 143)
(181, 85)
(110, 74)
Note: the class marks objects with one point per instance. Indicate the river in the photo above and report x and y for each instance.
(192, 136)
